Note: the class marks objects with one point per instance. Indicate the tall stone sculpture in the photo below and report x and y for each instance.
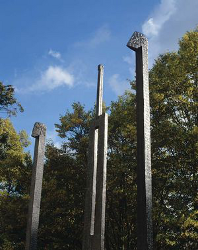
(139, 43)
(94, 219)
(39, 132)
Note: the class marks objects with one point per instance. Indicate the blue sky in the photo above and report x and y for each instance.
(50, 49)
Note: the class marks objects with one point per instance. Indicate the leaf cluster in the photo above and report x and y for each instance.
(8, 103)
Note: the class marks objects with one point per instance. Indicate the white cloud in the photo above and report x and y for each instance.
(52, 135)
(52, 78)
(161, 15)
(167, 23)
(117, 85)
(101, 35)
(54, 54)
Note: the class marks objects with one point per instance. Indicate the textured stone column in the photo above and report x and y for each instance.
(94, 220)
(139, 43)
(39, 132)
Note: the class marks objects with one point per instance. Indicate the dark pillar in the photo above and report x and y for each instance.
(94, 220)
(39, 132)
(139, 43)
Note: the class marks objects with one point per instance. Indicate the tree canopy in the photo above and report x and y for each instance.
(15, 166)
(8, 103)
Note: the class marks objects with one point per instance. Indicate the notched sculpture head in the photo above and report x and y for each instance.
(39, 129)
(100, 67)
(136, 41)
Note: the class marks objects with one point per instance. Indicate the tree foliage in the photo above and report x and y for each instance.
(174, 110)
(15, 168)
(63, 201)
(8, 103)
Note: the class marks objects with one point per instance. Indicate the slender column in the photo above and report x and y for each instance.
(139, 43)
(99, 90)
(99, 227)
(94, 219)
(89, 215)
(39, 132)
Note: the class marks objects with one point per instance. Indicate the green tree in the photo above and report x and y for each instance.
(121, 175)
(174, 112)
(61, 223)
(189, 234)
(8, 103)
(15, 166)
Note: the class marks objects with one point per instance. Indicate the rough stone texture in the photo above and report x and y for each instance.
(39, 132)
(39, 129)
(139, 44)
(137, 40)
(94, 220)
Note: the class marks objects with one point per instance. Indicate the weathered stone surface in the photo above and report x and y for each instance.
(138, 42)
(94, 219)
(39, 129)
(39, 132)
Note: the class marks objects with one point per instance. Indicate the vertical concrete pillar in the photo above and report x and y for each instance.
(39, 132)
(94, 220)
(139, 43)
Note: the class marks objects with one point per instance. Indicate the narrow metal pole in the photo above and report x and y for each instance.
(39, 132)
(139, 43)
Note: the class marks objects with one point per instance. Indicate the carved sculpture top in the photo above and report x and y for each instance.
(100, 67)
(136, 41)
(39, 129)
